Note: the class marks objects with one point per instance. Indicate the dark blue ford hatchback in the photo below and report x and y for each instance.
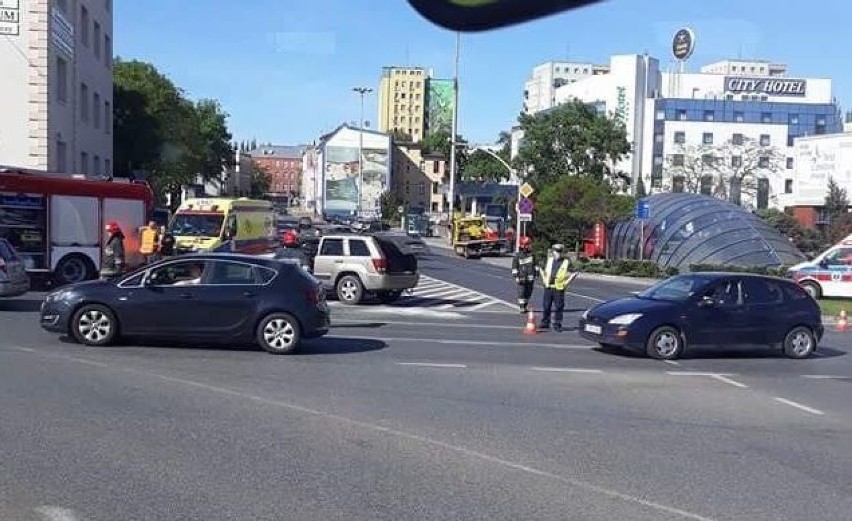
(709, 309)
(222, 298)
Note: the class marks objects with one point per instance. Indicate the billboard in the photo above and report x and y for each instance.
(439, 106)
(816, 160)
(341, 176)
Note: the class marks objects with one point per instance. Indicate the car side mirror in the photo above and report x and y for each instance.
(706, 302)
(823, 263)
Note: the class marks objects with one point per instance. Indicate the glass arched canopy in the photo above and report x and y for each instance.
(685, 229)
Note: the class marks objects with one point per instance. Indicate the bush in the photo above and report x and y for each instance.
(774, 271)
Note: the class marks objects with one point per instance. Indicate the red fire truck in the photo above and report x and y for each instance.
(56, 222)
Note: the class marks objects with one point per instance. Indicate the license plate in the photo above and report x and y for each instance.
(595, 330)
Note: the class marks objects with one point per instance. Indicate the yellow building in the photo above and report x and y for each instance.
(402, 101)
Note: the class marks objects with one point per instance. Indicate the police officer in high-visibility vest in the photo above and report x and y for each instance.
(149, 241)
(555, 277)
(523, 270)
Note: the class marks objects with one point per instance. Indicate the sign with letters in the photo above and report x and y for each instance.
(768, 86)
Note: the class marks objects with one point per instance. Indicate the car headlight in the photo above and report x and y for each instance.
(585, 314)
(56, 296)
(625, 320)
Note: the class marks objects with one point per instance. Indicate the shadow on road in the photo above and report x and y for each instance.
(731, 353)
(20, 305)
(340, 346)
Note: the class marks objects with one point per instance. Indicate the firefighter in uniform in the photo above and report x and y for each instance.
(149, 242)
(523, 270)
(113, 260)
(555, 277)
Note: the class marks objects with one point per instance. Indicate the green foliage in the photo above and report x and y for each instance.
(837, 200)
(774, 271)
(390, 203)
(158, 130)
(807, 240)
(628, 268)
(839, 229)
(572, 139)
(260, 180)
(568, 207)
(438, 142)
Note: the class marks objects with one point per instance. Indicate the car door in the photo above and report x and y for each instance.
(168, 303)
(765, 311)
(722, 322)
(232, 291)
(328, 260)
(837, 281)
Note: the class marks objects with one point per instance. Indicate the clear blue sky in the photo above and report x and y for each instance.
(284, 69)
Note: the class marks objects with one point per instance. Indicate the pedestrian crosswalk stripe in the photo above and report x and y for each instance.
(437, 294)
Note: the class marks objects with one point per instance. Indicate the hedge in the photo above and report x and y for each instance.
(649, 269)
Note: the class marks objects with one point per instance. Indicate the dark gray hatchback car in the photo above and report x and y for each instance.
(214, 298)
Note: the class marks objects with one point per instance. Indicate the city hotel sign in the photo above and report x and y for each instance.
(768, 86)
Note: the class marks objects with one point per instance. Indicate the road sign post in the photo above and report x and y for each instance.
(523, 211)
(643, 213)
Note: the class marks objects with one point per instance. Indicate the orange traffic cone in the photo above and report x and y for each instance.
(530, 328)
(842, 323)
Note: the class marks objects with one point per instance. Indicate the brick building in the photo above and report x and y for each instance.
(284, 165)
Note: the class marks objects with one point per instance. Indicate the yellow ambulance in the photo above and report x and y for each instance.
(223, 225)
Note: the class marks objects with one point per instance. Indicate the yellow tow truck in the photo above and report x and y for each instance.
(473, 238)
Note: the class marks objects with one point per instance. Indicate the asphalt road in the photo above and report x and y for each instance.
(423, 410)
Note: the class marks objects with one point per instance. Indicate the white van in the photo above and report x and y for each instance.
(829, 274)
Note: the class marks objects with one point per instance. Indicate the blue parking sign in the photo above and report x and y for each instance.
(643, 209)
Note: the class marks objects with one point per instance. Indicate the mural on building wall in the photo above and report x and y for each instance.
(341, 178)
(439, 106)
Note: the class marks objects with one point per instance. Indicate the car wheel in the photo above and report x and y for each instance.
(665, 343)
(387, 297)
(94, 325)
(279, 334)
(72, 269)
(812, 289)
(800, 343)
(350, 290)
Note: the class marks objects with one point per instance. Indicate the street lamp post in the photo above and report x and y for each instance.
(454, 130)
(362, 91)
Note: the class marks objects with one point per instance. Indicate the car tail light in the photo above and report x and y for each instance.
(381, 264)
(4, 273)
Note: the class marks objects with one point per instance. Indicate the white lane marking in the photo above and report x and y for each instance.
(458, 449)
(411, 311)
(799, 406)
(467, 342)
(824, 377)
(501, 301)
(566, 370)
(56, 514)
(356, 323)
(26, 349)
(482, 306)
(433, 293)
(671, 362)
(593, 299)
(728, 381)
(430, 364)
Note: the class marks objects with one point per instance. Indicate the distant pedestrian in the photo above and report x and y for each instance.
(113, 258)
(523, 270)
(167, 243)
(149, 243)
(555, 277)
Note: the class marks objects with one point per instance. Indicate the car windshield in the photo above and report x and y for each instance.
(196, 225)
(675, 289)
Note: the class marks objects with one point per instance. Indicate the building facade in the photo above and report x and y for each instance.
(818, 159)
(56, 62)
(418, 178)
(402, 101)
(699, 131)
(284, 166)
(540, 89)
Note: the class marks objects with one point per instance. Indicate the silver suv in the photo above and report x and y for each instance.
(356, 265)
(14, 280)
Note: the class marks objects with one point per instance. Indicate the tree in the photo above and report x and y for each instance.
(806, 240)
(482, 166)
(216, 151)
(839, 228)
(439, 143)
(260, 180)
(691, 166)
(399, 136)
(390, 203)
(568, 207)
(572, 139)
(740, 166)
(640, 189)
(836, 201)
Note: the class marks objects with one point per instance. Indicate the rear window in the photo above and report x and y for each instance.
(358, 248)
(795, 292)
(6, 251)
(229, 273)
(332, 247)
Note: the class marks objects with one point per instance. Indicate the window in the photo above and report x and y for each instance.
(678, 184)
(708, 160)
(132, 282)
(61, 80)
(84, 163)
(61, 156)
(764, 140)
(107, 50)
(84, 102)
(332, 247)
(84, 25)
(435, 188)
(736, 161)
(107, 167)
(358, 248)
(264, 275)
(96, 39)
(436, 167)
(765, 117)
(794, 119)
(737, 139)
(96, 110)
(407, 187)
(681, 115)
(421, 188)
(658, 138)
(739, 117)
(709, 115)
(231, 273)
(788, 186)
(707, 138)
(757, 291)
(706, 185)
(107, 117)
(790, 141)
(763, 162)
(680, 138)
(185, 273)
(96, 165)
(789, 163)
(661, 115)
(677, 160)
(762, 194)
(839, 257)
